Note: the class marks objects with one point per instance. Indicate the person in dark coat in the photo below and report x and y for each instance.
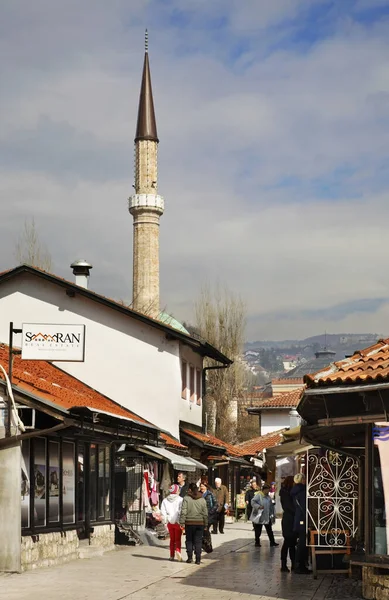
(211, 502)
(299, 495)
(287, 524)
(249, 496)
(181, 480)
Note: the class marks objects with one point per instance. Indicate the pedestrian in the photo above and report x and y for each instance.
(222, 499)
(263, 515)
(287, 523)
(250, 495)
(181, 480)
(171, 510)
(211, 502)
(194, 517)
(299, 495)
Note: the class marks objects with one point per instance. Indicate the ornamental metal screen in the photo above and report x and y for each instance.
(332, 498)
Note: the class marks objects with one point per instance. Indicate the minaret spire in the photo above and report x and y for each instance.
(146, 206)
(146, 128)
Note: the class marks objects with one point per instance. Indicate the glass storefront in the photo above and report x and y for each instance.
(53, 484)
(380, 489)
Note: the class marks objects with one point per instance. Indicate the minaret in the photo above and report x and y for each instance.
(145, 205)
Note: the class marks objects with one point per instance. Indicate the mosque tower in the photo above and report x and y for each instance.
(146, 206)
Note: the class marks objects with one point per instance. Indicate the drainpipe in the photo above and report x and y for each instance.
(204, 417)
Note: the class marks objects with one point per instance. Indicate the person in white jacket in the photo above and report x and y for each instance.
(171, 510)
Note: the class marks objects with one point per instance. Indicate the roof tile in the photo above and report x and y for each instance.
(211, 440)
(60, 388)
(364, 366)
(258, 444)
(284, 400)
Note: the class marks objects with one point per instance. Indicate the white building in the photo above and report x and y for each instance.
(141, 363)
(278, 412)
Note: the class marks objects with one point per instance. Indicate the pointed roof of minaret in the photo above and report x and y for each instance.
(146, 128)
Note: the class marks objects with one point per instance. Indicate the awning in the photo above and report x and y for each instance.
(288, 449)
(179, 463)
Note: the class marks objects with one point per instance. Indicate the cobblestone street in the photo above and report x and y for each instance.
(236, 569)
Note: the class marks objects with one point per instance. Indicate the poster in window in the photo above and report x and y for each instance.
(40, 481)
(53, 482)
(68, 482)
(25, 483)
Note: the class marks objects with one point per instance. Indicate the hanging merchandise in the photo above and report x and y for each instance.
(166, 480)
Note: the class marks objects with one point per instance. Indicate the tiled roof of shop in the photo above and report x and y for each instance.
(172, 442)
(284, 400)
(364, 366)
(258, 444)
(51, 383)
(211, 440)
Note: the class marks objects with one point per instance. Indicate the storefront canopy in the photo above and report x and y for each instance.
(180, 463)
(288, 449)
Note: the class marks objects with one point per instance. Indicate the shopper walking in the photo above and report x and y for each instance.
(171, 510)
(263, 515)
(253, 489)
(299, 495)
(287, 523)
(223, 499)
(194, 517)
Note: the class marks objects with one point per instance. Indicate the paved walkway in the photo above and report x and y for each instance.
(235, 570)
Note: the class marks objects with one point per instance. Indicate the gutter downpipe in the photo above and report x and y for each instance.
(204, 384)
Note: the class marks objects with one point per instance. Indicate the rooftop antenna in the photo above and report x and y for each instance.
(146, 41)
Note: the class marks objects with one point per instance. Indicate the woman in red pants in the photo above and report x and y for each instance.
(171, 510)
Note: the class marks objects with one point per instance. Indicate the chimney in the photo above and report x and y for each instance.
(81, 270)
(294, 419)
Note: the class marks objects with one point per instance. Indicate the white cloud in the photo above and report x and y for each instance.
(248, 155)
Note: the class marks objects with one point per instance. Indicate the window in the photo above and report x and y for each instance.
(58, 477)
(192, 383)
(381, 488)
(54, 484)
(198, 386)
(184, 377)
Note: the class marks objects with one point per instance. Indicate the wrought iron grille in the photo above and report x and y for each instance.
(332, 498)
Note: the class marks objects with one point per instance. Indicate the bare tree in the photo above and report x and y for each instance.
(220, 318)
(29, 249)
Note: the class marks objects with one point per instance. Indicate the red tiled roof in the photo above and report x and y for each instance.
(51, 383)
(364, 366)
(284, 400)
(171, 442)
(211, 440)
(258, 444)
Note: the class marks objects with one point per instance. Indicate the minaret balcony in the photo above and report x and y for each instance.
(152, 201)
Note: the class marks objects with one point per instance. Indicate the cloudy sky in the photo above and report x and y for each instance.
(273, 119)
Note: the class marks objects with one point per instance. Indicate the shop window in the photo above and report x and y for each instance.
(80, 482)
(93, 481)
(107, 484)
(184, 379)
(192, 383)
(25, 483)
(198, 386)
(40, 481)
(381, 488)
(53, 482)
(68, 482)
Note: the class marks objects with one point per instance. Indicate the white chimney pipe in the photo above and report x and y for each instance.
(81, 269)
(294, 419)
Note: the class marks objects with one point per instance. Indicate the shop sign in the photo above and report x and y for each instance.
(59, 342)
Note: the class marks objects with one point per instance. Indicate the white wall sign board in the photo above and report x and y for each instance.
(44, 341)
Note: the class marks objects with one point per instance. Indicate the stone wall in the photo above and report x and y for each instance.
(375, 583)
(49, 549)
(103, 536)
